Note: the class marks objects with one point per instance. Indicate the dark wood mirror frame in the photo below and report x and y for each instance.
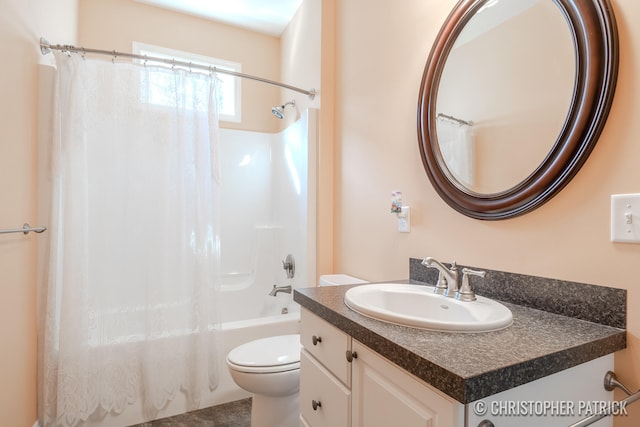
(593, 26)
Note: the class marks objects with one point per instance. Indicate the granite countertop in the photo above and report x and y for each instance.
(471, 366)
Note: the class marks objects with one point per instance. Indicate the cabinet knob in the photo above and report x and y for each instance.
(315, 340)
(351, 355)
(486, 423)
(315, 404)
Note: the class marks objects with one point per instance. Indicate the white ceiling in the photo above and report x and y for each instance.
(265, 16)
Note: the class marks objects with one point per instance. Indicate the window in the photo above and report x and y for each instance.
(229, 105)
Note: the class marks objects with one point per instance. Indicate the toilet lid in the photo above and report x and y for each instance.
(279, 353)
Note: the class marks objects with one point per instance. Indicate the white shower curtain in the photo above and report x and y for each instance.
(126, 300)
(458, 149)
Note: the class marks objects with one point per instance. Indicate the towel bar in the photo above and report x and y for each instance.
(26, 229)
(610, 382)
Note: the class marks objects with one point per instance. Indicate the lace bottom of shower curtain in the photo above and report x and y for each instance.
(116, 376)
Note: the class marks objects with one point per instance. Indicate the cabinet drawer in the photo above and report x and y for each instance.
(327, 344)
(332, 400)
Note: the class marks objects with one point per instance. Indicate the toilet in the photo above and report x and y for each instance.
(269, 368)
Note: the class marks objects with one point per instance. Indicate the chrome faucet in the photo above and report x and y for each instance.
(278, 289)
(447, 284)
(465, 293)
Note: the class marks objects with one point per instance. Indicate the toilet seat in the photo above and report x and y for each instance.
(267, 355)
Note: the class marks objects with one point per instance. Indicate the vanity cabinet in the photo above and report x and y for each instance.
(370, 391)
(366, 391)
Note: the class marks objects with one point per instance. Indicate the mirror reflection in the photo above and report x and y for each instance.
(504, 94)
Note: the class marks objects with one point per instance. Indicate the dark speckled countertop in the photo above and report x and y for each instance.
(471, 366)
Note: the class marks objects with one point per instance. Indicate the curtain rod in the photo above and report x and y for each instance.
(454, 119)
(46, 48)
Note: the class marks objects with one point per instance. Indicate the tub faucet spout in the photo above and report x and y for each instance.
(278, 289)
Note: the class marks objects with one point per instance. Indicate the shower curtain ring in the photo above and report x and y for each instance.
(113, 59)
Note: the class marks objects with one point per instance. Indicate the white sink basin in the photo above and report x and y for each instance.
(419, 307)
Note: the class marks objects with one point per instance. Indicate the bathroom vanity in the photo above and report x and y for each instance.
(357, 371)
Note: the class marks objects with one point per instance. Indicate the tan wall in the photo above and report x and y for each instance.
(382, 51)
(308, 63)
(301, 56)
(115, 24)
(22, 23)
(325, 197)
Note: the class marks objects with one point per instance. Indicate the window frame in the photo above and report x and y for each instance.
(150, 50)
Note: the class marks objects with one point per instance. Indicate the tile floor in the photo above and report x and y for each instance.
(232, 414)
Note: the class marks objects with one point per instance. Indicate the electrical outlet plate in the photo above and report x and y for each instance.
(404, 220)
(625, 218)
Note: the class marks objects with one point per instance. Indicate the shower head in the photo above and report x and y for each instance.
(279, 111)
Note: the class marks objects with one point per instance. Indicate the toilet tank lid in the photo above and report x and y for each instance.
(339, 279)
(271, 351)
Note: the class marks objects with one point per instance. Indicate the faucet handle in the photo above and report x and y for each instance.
(466, 293)
(289, 266)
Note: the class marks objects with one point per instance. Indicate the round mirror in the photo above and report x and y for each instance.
(513, 98)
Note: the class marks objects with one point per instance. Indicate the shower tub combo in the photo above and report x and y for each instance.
(267, 183)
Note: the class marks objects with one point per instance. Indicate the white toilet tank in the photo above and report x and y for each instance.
(339, 279)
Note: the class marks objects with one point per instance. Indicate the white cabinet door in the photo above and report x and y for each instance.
(324, 401)
(385, 395)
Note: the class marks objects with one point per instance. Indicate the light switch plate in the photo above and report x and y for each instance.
(625, 218)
